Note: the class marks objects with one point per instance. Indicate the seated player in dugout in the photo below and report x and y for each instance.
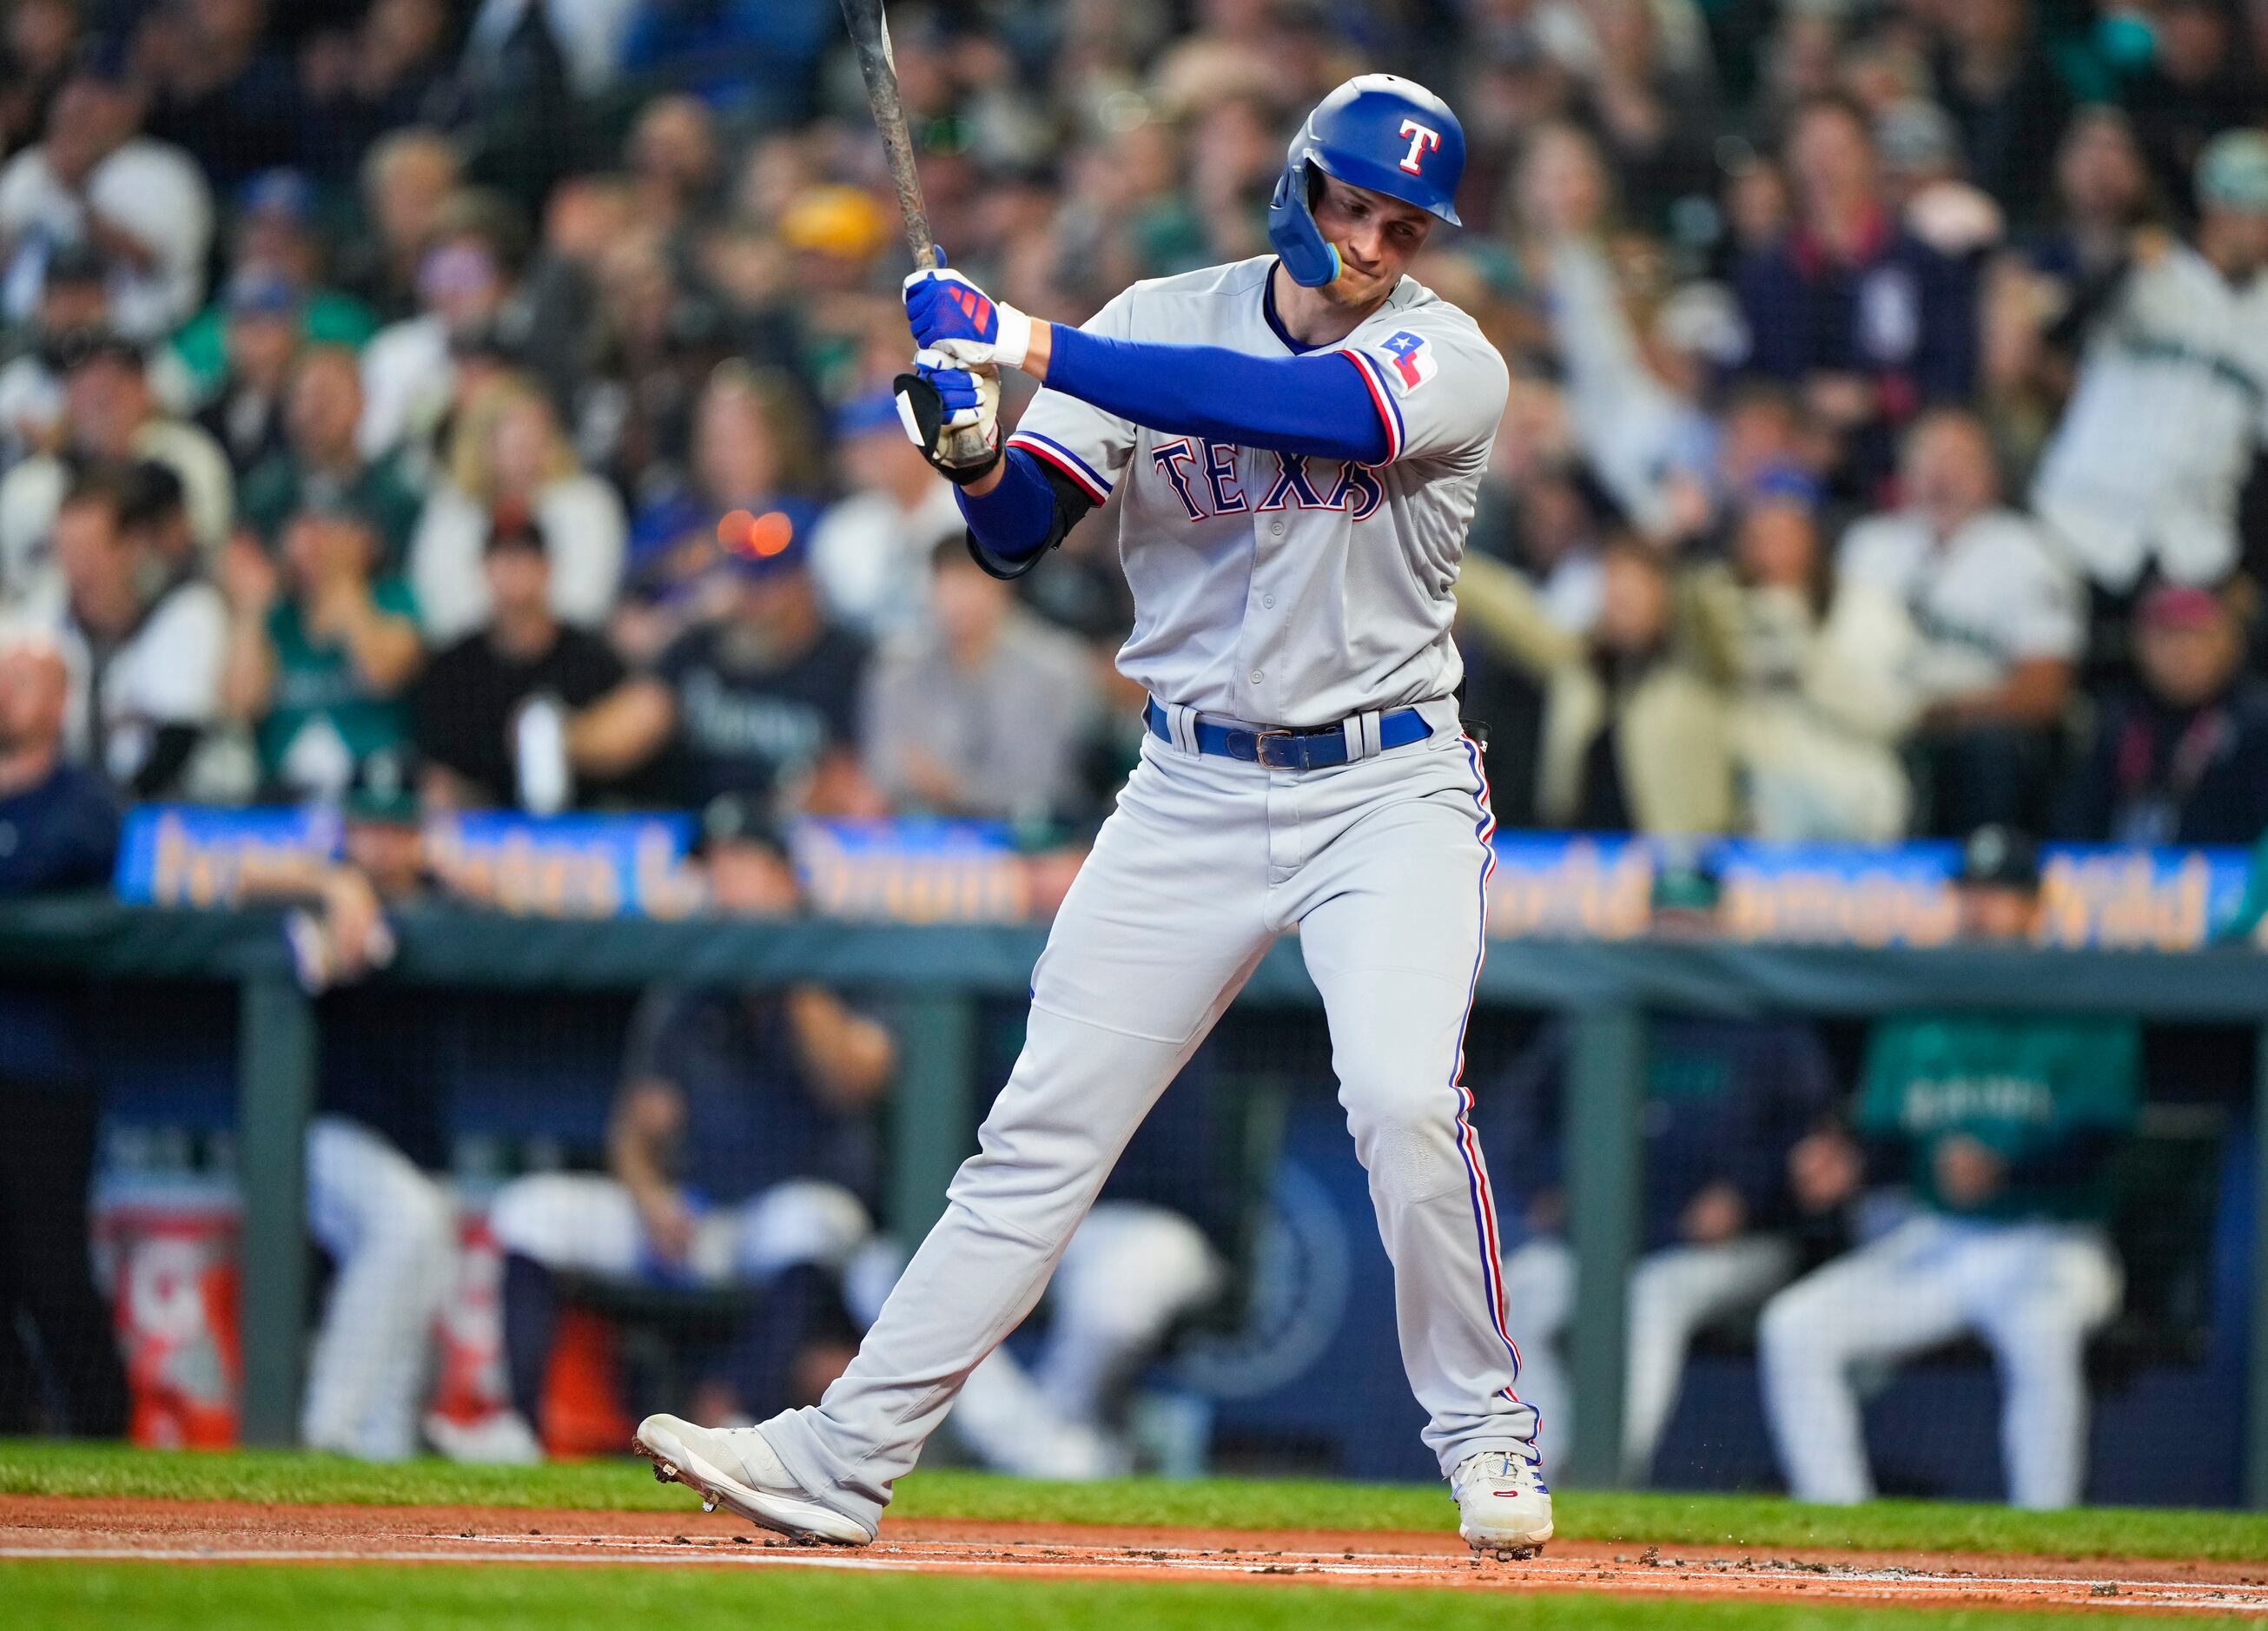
(1727, 1099)
(1980, 1151)
(741, 1152)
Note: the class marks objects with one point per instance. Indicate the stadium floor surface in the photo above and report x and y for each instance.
(109, 1530)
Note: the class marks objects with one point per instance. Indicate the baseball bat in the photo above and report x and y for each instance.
(870, 38)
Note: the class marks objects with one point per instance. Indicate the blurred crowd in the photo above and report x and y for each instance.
(417, 406)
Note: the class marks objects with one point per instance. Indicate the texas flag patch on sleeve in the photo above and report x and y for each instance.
(1410, 361)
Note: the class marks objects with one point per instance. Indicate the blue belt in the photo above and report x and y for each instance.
(1291, 750)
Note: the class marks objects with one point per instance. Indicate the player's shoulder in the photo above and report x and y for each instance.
(1233, 280)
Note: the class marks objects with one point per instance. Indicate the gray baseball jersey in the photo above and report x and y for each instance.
(1271, 590)
(1274, 589)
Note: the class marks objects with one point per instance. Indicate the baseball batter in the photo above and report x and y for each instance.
(1296, 441)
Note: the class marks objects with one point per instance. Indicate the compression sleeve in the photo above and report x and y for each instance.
(1012, 519)
(1030, 510)
(1324, 405)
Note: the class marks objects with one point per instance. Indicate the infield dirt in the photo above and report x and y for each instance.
(219, 1533)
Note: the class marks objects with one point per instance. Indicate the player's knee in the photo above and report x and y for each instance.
(1788, 1330)
(1403, 1131)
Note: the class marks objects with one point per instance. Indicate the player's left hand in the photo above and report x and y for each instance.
(953, 415)
(952, 315)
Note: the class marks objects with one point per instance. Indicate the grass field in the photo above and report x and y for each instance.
(34, 1468)
(336, 1596)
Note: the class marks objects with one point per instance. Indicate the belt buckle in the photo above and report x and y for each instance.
(1260, 750)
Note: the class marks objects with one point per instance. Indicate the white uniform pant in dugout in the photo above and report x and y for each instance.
(1674, 1293)
(1381, 866)
(2032, 1292)
(391, 1232)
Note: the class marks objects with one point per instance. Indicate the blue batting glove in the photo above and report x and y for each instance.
(949, 314)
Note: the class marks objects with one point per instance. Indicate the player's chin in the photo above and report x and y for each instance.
(1352, 287)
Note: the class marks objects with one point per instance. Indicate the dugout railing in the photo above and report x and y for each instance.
(936, 976)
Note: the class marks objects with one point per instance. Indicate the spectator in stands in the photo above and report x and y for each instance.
(1636, 725)
(752, 449)
(2041, 299)
(96, 181)
(61, 831)
(471, 709)
(1633, 393)
(872, 552)
(2145, 468)
(358, 82)
(1726, 1100)
(741, 1151)
(145, 648)
(467, 276)
(764, 700)
(321, 658)
(41, 37)
(986, 715)
(112, 414)
(2196, 85)
(1999, 625)
(222, 89)
(1996, 79)
(1849, 308)
(244, 416)
(505, 453)
(407, 180)
(1819, 703)
(275, 234)
(322, 466)
(74, 307)
(2000, 1127)
(2181, 756)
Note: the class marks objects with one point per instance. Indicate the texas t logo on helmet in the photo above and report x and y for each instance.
(1422, 140)
(1379, 132)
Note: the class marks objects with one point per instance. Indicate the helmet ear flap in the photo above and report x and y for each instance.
(1292, 225)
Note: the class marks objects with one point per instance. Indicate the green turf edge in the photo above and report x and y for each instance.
(504, 1598)
(43, 1467)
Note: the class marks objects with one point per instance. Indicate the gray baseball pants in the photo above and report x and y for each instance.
(1381, 866)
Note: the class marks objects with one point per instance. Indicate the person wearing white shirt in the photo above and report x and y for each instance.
(144, 659)
(507, 453)
(111, 414)
(2172, 401)
(2000, 624)
(95, 180)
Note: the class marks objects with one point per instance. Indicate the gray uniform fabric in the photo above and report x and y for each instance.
(1379, 865)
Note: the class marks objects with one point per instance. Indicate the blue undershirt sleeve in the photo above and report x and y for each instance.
(1014, 519)
(1323, 404)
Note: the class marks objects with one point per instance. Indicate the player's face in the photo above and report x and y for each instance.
(1377, 237)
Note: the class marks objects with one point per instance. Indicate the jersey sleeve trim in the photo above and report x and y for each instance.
(1382, 397)
(1082, 473)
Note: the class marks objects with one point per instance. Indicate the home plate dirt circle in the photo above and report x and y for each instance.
(222, 1532)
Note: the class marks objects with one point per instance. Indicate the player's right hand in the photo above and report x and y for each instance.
(953, 415)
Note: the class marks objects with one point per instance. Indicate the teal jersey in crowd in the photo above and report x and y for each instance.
(2024, 1086)
(323, 721)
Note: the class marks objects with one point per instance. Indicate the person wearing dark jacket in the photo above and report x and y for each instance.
(58, 831)
(2181, 756)
(1849, 308)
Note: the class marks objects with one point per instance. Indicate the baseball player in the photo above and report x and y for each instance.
(1295, 441)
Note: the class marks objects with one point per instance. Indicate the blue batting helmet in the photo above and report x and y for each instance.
(1378, 132)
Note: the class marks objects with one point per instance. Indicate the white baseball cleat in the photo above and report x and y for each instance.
(1502, 1505)
(735, 1467)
